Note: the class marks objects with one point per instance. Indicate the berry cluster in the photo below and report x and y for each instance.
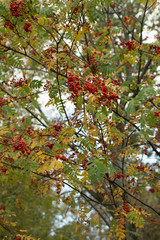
(27, 26)
(30, 130)
(155, 48)
(17, 8)
(95, 86)
(75, 10)
(50, 145)
(126, 19)
(63, 158)
(32, 52)
(119, 175)
(18, 238)
(109, 23)
(1, 101)
(47, 85)
(107, 96)
(98, 34)
(92, 64)
(3, 207)
(57, 129)
(4, 169)
(103, 94)
(92, 59)
(145, 150)
(33, 17)
(140, 167)
(8, 24)
(90, 87)
(130, 45)
(85, 161)
(115, 82)
(18, 83)
(157, 113)
(5, 140)
(20, 146)
(113, 5)
(54, 135)
(48, 53)
(64, 51)
(73, 85)
(125, 207)
(151, 190)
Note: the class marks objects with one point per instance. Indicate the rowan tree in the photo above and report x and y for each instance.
(94, 57)
(26, 209)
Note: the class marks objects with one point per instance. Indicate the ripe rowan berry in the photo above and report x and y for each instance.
(152, 190)
(17, 8)
(27, 26)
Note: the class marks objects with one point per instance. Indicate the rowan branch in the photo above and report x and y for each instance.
(137, 128)
(139, 200)
(35, 60)
(27, 109)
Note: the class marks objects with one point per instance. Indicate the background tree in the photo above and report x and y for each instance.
(94, 56)
(24, 208)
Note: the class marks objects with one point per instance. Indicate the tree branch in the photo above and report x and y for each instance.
(27, 109)
(131, 195)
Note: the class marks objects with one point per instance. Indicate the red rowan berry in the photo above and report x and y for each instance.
(27, 26)
(17, 8)
(2, 207)
(50, 145)
(157, 113)
(152, 190)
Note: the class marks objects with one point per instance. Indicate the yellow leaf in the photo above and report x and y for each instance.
(59, 165)
(49, 103)
(91, 98)
(22, 231)
(79, 36)
(66, 141)
(85, 177)
(76, 230)
(43, 168)
(39, 153)
(41, 20)
(52, 165)
(50, 64)
(89, 187)
(33, 144)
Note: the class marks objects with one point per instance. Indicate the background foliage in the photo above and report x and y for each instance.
(90, 64)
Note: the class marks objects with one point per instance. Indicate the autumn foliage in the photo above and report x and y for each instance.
(80, 108)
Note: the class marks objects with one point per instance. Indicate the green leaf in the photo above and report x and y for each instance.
(97, 169)
(26, 89)
(149, 132)
(2, 9)
(119, 134)
(7, 110)
(143, 122)
(144, 134)
(131, 108)
(101, 115)
(36, 84)
(34, 165)
(107, 69)
(53, 91)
